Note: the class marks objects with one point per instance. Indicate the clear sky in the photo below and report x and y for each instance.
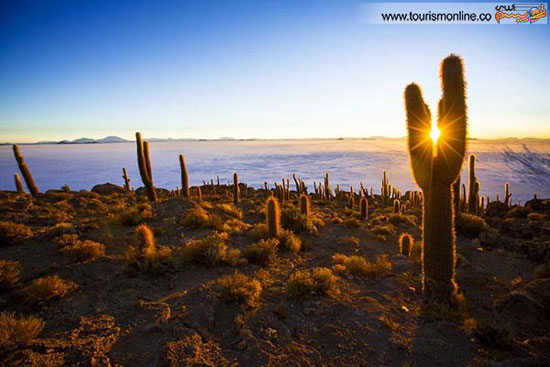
(266, 69)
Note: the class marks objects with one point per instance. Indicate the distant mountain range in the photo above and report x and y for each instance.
(115, 139)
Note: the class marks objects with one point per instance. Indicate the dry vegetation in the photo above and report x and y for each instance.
(120, 281)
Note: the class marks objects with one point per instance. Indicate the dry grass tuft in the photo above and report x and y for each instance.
(289, 241)
(361, 266)
(132, 216)
(61, 229)
(239, 288)
(231, 210)
(84, 251)
(470, 225)
(16, 332)
(13, 233)
(316, 281)
(10, 273)
(263, 252)
(48, 288)
(211, 250)
(235, 226)
(200, 218)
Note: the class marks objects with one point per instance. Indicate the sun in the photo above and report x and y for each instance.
(434, 134)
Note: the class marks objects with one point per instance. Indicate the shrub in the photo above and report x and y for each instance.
(48, 288)
(200, 218)
(66, 240)
(518, 212)
(132, 216)
(361, 266)
(316, 281)
(399, 218)
(470, 225)
(13, 233)
(241, 289)
(384, 230)
(18, 332)
(84, 251)
(351, 223)
(210, 251)
(263, 252)
(235, 226)
(231, 209)
(289, 241)
(62, 229)
(10, 272)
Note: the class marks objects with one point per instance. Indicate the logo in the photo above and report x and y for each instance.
(521, 13)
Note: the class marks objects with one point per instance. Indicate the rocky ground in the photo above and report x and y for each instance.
(296, 305)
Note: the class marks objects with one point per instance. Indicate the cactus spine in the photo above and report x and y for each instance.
(18, 184)
(144, 164)
(435, 167)
(236, 188)
(273, 218)
(305, 207)
(456, 196)
(363, 208)
(25, 171)
(184, 177)
(126, 179)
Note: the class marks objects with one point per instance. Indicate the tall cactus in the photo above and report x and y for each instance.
(273, 218)
(145, 170)
(18, 184)
(184, 178)
(363, 208)
(385, 189)
(236, 192)
(473, 194)
(435, 167)
(507, 195)
(25, 171)
(126, 179)
(305, 207)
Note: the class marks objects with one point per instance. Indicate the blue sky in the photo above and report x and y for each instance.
(284, 69)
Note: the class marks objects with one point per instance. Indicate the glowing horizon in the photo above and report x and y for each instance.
(248, 70)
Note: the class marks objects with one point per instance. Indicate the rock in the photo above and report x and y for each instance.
(109, 189)
(526, 308)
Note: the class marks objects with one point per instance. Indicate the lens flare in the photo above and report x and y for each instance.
(434, 134)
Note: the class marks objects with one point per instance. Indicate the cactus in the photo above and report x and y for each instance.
(184, 177)
(273, 218)
(298, 187)
(145, 241)
(363, 208)
(25, 171)
(328, 192)
(507, 195)
(236, 192)
(385, 189)
(305, 207)
(405, 244)
(351, 201)
(456, 196)
(18, 184)
(144, 164)
(473, 194)
(126, 179)
(435, 166)
(396, 206)
(199, 194)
